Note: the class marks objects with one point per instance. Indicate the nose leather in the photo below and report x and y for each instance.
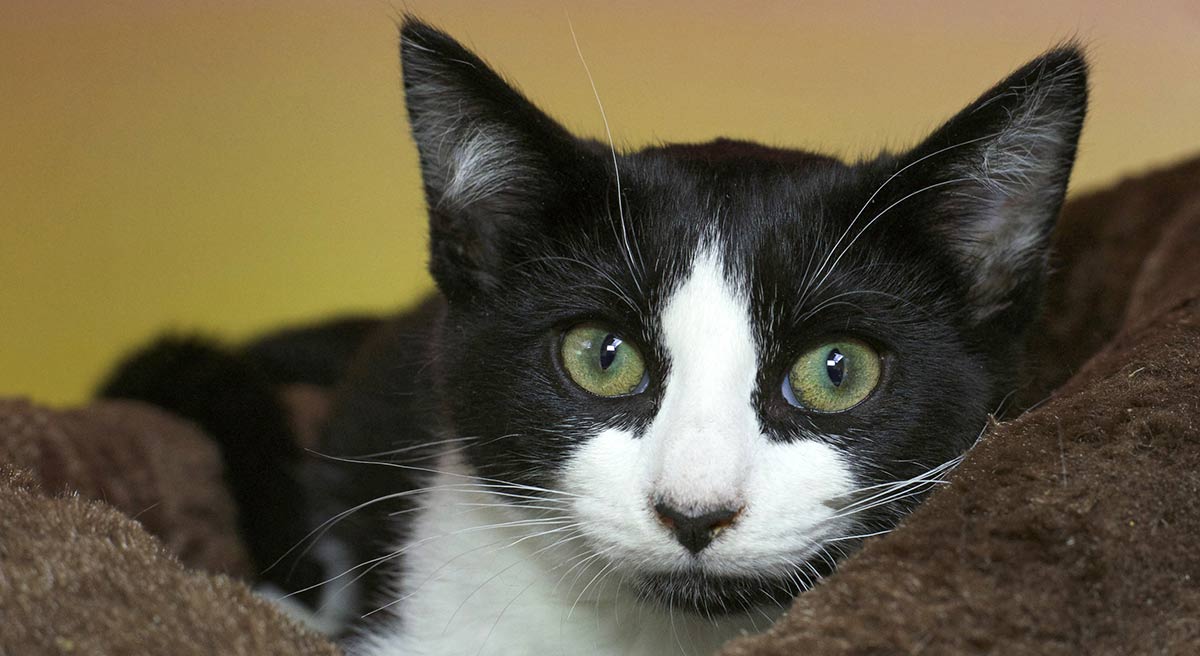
(695, 531)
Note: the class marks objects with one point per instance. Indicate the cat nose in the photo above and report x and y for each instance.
(695, 531)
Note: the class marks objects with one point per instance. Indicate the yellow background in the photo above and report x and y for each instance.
(230, 165)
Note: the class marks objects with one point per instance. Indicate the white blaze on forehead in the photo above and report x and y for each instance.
(706, 431)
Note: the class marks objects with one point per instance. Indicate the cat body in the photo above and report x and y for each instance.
(662, 392)
(565, 515)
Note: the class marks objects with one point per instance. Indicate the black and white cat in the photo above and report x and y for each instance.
(663, 392)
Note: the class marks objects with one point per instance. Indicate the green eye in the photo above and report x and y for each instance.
(603, 363)
(833, 377)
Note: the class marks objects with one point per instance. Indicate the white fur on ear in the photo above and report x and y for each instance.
(488, 162)
(1027, 128)
(466, 157)
(479, 138)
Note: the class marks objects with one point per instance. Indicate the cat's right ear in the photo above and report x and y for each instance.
(490, 159)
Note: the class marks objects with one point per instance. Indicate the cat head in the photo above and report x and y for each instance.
(727, 363)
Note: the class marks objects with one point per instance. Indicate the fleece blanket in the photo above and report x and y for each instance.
(1073, 527)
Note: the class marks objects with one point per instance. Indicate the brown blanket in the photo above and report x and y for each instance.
(1071, 529)
(80, 576)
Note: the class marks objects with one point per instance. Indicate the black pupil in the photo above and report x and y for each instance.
(835, 367)
(608, 351)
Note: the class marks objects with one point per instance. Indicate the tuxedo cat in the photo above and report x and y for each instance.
(663, 392)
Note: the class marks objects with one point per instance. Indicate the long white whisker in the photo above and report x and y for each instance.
(880, 188)
(470, 529)
(414, 447)
(894, 491)
(324, 527)
(428, 470)
(868, 225)
(614, 288)
(372, 563)
(613, 151)
(922, 481)
(610, 564)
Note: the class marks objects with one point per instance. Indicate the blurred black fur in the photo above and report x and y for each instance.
(233, 394)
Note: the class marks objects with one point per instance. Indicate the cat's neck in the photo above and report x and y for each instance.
(481, 577)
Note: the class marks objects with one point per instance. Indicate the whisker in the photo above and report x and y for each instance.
(412, 545)
(491, 578)
(885, 183)
(616, 170)
(614, 288)
(583, 592)
(415, 447)
(870, 223)
(428, 470)
(501, 615)
(860, 536)
(433, 574)
(475, 488)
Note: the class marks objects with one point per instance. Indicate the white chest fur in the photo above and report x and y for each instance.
(475, 582)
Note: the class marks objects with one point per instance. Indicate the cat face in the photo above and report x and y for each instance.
(728, 363)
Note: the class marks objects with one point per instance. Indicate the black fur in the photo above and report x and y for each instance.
(383, 405)
(936, 284)
(233, 395)
(317, 354)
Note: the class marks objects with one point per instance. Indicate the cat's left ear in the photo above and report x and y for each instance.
(491, 161)
(994, 178)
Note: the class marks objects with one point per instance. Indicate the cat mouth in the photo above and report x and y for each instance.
(710, 595)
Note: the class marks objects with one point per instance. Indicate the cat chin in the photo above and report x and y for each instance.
(714, 595)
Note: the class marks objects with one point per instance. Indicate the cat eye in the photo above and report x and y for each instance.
(833, 377)
(602, 362)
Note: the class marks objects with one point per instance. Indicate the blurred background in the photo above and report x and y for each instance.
(232, 165)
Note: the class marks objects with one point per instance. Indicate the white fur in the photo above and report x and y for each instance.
(472, 586)
(469, 588)
(466, 159)
(703, 440)
(481, 166)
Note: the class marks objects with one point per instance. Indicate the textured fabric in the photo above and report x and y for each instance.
(79, 577)
(144, 462)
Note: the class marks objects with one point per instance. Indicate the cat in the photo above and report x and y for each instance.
(662, 392)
